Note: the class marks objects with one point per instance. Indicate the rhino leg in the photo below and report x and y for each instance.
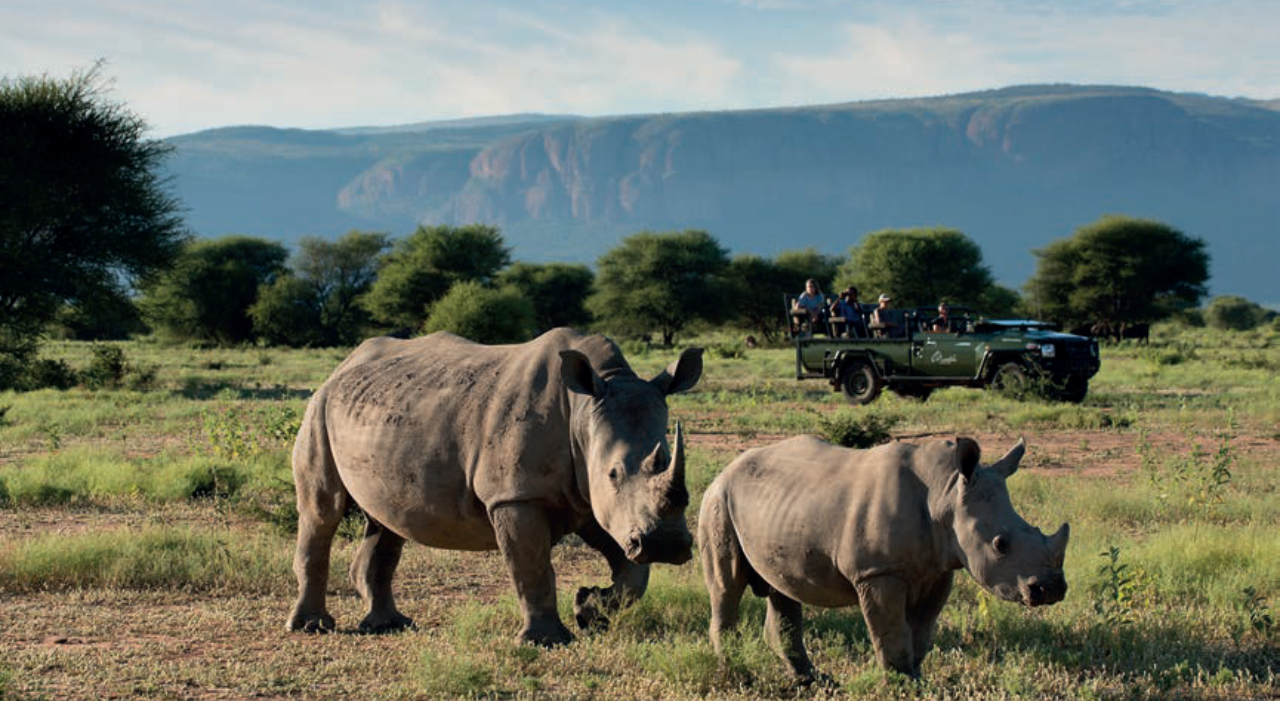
(784, 629)
(371, 573)
(923, 618)
(592, 606)
(884, 606)
(322, 502)
(523, 532)
(724, 565)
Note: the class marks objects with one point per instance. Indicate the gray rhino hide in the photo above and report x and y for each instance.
(464, 446)
(804, 521)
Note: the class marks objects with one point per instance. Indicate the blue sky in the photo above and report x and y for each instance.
(190, 65)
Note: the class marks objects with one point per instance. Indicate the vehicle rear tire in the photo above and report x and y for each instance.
(1011, 379)
(861, 384)
(913, 393)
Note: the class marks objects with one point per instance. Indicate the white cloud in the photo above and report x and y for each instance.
(321, 63)
(1219, 48)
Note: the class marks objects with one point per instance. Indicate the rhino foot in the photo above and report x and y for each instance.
(393, 622)
(546, 636)
(587, 610)
(312, 623)
(814, 679)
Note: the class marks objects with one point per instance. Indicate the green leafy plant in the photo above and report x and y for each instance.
(107, 367)
(1258, 615)
(1119, 595)
(858, 430)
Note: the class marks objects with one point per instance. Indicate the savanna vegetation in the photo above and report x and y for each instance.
(146, 503)
(145, 540)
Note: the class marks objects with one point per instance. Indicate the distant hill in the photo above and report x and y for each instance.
(1014, 168)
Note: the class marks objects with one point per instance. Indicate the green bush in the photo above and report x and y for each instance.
(858, 430)
(1232, 313)
(482, 315)
(54, 374)
(107, 368)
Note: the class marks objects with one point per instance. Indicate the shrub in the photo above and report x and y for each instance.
(107, 368)
(482, 315)
(47, 372)
(858, 430)
(1231, 313)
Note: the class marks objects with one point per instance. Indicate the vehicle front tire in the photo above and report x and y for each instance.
(1073, 391)
(1011, 379)
(861, 384)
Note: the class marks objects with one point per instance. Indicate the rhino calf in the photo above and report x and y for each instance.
(806, 522)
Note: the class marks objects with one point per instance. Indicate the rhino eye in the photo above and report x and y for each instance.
(614, 475)
(1001, 544)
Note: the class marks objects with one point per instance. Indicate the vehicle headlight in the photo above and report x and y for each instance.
(1047, 350)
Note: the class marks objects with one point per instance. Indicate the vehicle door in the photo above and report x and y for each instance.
(945, 354)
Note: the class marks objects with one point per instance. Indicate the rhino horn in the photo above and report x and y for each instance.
(1008, 465)
(677, 495)
(1058, 543)
(677, 457)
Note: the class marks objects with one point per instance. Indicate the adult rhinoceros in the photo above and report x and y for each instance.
(804, 521)
(469, 447)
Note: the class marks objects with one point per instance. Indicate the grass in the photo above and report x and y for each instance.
(149, 532)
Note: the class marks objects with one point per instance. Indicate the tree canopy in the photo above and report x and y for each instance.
(86, 213)
(661, 282)
(758, 288)
(207, 294)
(1118, 270)
(558, 292)
(917, 267)
(317, 303)
(423, 266)
(800, 265)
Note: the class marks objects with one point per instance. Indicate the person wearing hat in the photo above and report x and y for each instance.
(880, 317)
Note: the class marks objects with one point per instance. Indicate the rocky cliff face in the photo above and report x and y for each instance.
(1013, 168)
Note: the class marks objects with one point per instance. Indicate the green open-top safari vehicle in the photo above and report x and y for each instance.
(909, 357)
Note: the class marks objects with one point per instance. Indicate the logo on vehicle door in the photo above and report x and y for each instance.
(939, 359)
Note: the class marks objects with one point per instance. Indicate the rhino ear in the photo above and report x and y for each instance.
(682, 374)
(578, 376)
(1058, 544)
(967, 456)
(1006, 466)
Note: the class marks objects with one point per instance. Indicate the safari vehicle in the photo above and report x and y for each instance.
(910, 359)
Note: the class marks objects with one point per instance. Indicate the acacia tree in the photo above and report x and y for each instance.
(317, 302)
(422, 267)
(207, 294)
(803, 264)
(1117, 271)
(759, 287)
(84, 211)
(661, 282)
(558, 292)
(918, 267)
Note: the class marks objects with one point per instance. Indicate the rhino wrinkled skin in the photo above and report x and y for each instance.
(463, 446)
(807, 522)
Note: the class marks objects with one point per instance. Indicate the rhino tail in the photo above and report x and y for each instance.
(724, 561)
(320, 491)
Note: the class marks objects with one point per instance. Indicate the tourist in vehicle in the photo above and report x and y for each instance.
(881, 321)
(849, 309)
(942, 322)
(809, 306)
